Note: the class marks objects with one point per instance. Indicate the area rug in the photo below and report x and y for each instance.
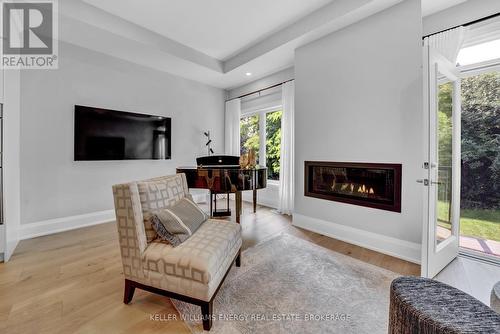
(289, 285)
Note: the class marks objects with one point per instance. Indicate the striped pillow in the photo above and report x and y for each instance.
(178, 222)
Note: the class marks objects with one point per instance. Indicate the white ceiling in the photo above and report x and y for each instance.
(214, 42)
(218, 28)
(433, 6)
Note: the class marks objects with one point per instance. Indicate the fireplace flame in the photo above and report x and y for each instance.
(355, 188)
(363, 189)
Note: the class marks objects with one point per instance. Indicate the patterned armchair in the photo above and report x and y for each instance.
(193, 271)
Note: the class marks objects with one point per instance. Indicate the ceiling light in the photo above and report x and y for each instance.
(248, 74)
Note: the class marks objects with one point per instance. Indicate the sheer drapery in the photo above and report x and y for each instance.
(232, 127)
(448, 43)
(287, 170)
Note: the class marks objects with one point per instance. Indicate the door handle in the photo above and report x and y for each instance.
(425, 182)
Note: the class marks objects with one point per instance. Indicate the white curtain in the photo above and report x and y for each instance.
(287, 171)
(232, 129)
(448, 43)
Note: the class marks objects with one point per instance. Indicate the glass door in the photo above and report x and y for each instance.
(442, 166)
(480, 182)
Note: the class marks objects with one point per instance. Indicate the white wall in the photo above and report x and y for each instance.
(268, 196)
(359, 99)
(52, 184)
(270, 80)
(2, 226)
(11, 159)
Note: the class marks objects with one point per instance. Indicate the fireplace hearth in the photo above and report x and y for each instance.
(374, 185)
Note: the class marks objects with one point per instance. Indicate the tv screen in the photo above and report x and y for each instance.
(102, 134)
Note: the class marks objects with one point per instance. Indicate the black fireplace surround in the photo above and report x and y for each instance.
(374, 185)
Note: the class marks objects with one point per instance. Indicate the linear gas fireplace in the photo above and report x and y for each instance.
(367, 184)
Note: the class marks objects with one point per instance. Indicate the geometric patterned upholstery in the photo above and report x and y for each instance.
(159, 193)
(194, 268)
(200, 257)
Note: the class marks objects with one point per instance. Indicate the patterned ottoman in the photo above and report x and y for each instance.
(420, 305)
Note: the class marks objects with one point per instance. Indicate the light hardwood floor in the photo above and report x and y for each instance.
(72, 282)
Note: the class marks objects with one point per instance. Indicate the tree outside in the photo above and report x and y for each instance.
(273, 144)
(481, 142)
(480, 180)
(250, 139)
(249, 135)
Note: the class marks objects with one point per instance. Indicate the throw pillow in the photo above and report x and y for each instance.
(178, 222)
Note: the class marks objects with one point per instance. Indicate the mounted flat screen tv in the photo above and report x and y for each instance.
(102, 134)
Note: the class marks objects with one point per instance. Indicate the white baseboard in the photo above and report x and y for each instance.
(6, 247)
(2, 238)
(51, 226)
(402, 249)
(10, 247)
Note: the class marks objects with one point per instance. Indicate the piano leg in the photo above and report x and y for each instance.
(237, 196)
(254, 200)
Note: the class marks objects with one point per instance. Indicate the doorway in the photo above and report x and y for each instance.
(479, 66)
(440, 244)
(462, 167)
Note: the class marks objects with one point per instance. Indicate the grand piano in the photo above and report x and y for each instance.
(221, 174)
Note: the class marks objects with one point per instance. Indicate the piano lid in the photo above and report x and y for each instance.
(219, 161)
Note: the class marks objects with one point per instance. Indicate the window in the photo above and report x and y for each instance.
(249, 135)
(261, 132)
(479, 53)
(480, 157)
(273, 144)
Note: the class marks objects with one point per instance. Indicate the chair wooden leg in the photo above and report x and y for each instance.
(238, 259)
(207, 313)
(255, 201)
(129, 291)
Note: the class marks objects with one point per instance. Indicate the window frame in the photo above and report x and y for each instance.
(479, 68)
(263, 134)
